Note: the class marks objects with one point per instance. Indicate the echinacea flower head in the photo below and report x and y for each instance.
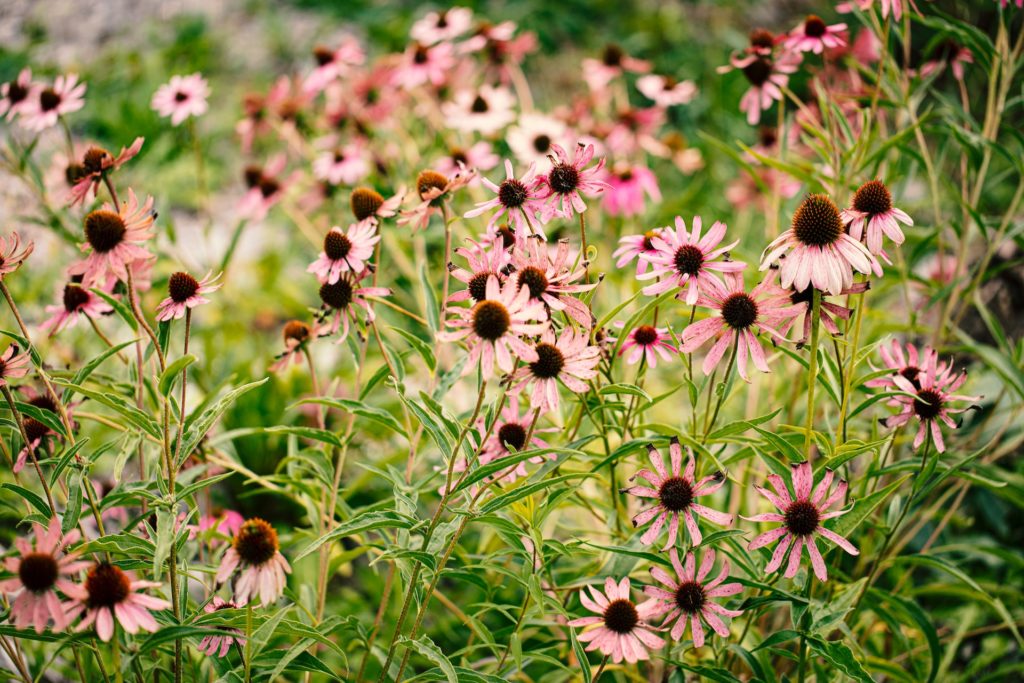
(495, 326)
(948, 53)
(888, 6)
(767, 75)
(256, 555)
(684, 258)
(816, 250)
(930, 398)
(675, 492)
(182, 97)
(518, 200)
(647, 342)
(425, 64)
(485, 111)
(814, 35)
(614, 61)
(333, 63)
(433, 189)
(41, 568)
(628, 187)
(484, 260)
(343, 165)
(532, 137)
(570, 179)
(265, 188)
(905, 361)
(297, 335)
(76, 301)
(219, 645)
(570, 359)
(480, 157)
(801, 516)
(345, 251)
(688, 597)
(13, 364)
(741, 315)
(442, 25)
(344, 298)
(47, 103)
(35, 430)
(369, 206)
(114, 239)
(828, 312)
(185, 292)
(111, 595)
(12, 255)
(14, 95)
(95, 163)
(873, 215)
(666, 91)
(638, 247)
(620, 631)
(549, 280)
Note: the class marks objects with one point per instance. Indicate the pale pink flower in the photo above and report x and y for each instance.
(13, 364)
(423, 64)
(929, 398)
(675, 492)
(814, 35)
(76, 301)
(36, 430)
(265, 188)
(767, 76)
(486, 110)
(14, 95)
(689, 598)
(110, 594)
(532, 137)
(621, 631)
(434, 189)
(598, 73)
(40, 569)
(570, 359)
(447, 24)
(185, 292)
(647, 342)
(10, 256)
(666, 91)
(685, 259)
(893, 6)
(502, 46)
(332, 64)
(343, 298)
(873, 214)
(96, 163)
(495, 326)
(263, 568)
(484, 261)
(518, 200)
(817, 250)
(765, 308)
(828, 312)
(297, 335)
(480, 157)
(745, 191)
(567, 181)
(801, 516)
(220, 521)
(183, 97)
(550, 280)
(907, 362)
(628, 185)
(114, 239)
(46, 104)
(639, 247)
(344, 165)
(951, 54)
(345, 251)
(219, 645)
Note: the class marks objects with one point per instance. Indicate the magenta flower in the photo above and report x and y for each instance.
(814, 35)
(434, 189)
(567, 181)
(829, 311)
(343, 298)
(689, 600)
(484, 261)
(893, 6)
(297, 335)
(96, 162)
(13, 364)
(183, 97)
(647, 342)
(265, 188)
(218, 646)
(46, 104)
(598, 73)
(684, 259)
(570, 359)
(621, 631)
(549, 280)
(76, 301)
(185, 292)
(930, 399)
(41, 569)
(908, 363)
(113, 241)
(110, 594)
(639, 247)
(627, 188)
(817, 250)
(766, 72)
(263, 567)
(519, 200)
(345, 252)
(332, 64)
(495, 326)
(10, 256)
(479, 157)
(873, 214)
(343, 165)
(442, 25)
(14, 95)
(675, 492)
(423, 64)
(740, 316)
(948, 53)
(220, 521)
(801, 516)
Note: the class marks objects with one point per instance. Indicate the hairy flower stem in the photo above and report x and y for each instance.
(600, 669)
(28, 445)
(812, 370)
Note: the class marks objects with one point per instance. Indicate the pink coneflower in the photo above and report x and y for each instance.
(183, 97)
(767, 76)
(568, 180)
(648, 342)
(331, 64)
(517, 199)
(675, 492)
(598, 73)
(479, 157)
(639, 247)
(929, 398)
(10, 256)
(297, 335)
(434, 188)
(873, 214)
(549, 280)
(46, 104)
(689, 598)
(533, 136)
(745, 191)
(422, 64)
(687, 159)
(345, 252)
(109, 594)
(948, 53)
(740, 315)
(343, 298)
(219, 645)
(114, 239)
(817, 250)
(41, 569)
(685, 259)
(907, 362)
(801, 516)
(484, 260)
(263, 567)
(369, 206)
(893, 6)
(96, 162)
(635, 130)
(628, 186)
(13, 364)
(14, 95)
(265, 188)
(184, 292)
(814, 35)
(448, 24)
(570, 359)
(76, 301)
(486, 110)
(35, 430)
(494, 326)
(622, 631)
(221, 521)
(666, 91)
(344, 165)
(828, 312)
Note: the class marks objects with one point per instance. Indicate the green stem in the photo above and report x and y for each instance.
(812, 370)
